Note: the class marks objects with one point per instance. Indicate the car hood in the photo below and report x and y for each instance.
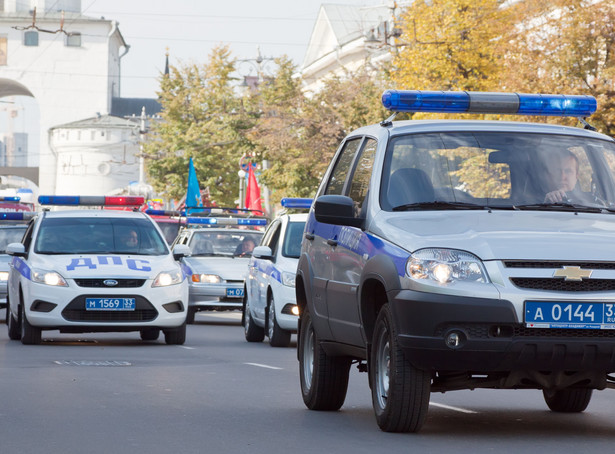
(105, 266)
(501, 235)
(228, 268)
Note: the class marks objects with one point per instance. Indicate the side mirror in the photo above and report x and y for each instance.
(262, 252)
(180, 250)
(17, 249)
(337, 210)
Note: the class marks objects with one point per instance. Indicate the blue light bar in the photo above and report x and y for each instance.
(90, 200)
(10, 199)
(227, 221)
(489, 103)
(153, 212)
(16, 215)
(290, 202)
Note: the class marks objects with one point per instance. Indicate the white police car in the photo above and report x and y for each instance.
(460, 254)
(221, 245)
(270, 306)
(96, 270)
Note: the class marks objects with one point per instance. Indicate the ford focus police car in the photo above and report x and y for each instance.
(270, 306)
(95, 270)
(460, 254)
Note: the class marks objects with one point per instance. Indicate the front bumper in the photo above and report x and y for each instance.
(215, 295)
(492, 337)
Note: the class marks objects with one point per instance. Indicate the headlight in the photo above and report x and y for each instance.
(206, 278)
(48, 278)
(167, 278)
(4, 275)
(288, 279)
(446, 265)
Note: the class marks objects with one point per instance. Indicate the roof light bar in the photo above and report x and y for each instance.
(297, 203)
(16, 215)
(227, 221)
(90, 200)
(10, 199)
(489, 103)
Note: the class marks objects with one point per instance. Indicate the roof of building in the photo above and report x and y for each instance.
(101, 121)
(131, 107)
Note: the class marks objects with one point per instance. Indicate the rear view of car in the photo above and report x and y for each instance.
(93, 270)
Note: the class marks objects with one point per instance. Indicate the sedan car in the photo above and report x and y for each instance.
(11, 231)
(217, 266)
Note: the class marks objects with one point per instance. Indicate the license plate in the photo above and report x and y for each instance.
(110, 304)
(540, 314)
(234, 293)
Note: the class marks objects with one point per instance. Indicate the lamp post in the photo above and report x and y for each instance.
(242, 178)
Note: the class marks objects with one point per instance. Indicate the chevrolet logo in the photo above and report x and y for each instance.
(572, 273)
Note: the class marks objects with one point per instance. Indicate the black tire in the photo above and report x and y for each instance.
(14, 327)
(573, 400)
(30, 335)
(400, 391)
(190, 315)
(324, 378)
(175, 336)
(278, 337)
(150, 334)
(253, 332)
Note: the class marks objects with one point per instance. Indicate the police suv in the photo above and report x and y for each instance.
(269, 305)
(459, 254)
(95, 270)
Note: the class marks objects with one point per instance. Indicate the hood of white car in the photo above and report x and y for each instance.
(228, 268)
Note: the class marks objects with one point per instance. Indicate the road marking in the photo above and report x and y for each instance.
(448, 407)
(187, 348)
(263, 365)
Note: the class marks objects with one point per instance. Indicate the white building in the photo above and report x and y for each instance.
(69, 63)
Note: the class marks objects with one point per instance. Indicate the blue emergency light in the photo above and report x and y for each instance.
(296, 203)
(90, 200)
(10, 199)
(16, 215)
(227, 221)
(489, 103)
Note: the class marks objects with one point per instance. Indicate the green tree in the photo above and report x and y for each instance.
(202, 118)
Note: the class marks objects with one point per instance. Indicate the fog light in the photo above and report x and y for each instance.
(454, 339)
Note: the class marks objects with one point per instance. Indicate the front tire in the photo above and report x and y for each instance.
(573, 400)
(190, 315)
(278, 337)
(150, 334)
(30, 335)
(400, 391)
(253, 332)
(175, 336)
(14, 327)
(324, 378)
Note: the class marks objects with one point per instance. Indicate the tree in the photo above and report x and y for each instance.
(202, 118)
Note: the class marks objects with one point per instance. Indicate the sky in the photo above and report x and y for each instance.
(189, 29)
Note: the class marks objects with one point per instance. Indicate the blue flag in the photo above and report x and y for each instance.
(193, 196)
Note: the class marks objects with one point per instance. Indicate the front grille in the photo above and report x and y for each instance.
(99, 283)
(484, 331)
(522, 331)
(562, 285)
(75, 311)
(558, 264)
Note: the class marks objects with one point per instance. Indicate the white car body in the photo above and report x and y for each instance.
(93, 278)
(271, 275)
(9, 233)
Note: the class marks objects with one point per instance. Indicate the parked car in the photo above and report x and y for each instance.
(270, 306)
(458, 254)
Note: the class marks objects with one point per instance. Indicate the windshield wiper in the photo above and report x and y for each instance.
(559, 206)
(440, 205)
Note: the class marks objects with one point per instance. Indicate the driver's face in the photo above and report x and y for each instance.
(564, 173)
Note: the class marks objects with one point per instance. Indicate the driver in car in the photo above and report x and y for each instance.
(564, 171)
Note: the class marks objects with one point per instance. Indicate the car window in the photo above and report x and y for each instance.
(11, 234)
(222, 242)
(98, 236)
(292, 239)
(342, 167)
(362, 174)
(273, 237)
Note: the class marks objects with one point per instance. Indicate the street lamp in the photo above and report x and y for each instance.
(242, 178)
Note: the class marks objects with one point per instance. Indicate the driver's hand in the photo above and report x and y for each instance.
(557, 196)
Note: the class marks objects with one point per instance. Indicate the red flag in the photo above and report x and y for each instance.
(253, 192)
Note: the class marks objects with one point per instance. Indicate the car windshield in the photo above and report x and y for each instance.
(99, 236)
(11, 234)
(170, 228)
(292, 240)
(224, 243)
(479, 170)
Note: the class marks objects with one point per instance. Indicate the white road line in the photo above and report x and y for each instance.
(448, 407)
(263, 365)
(187, 348)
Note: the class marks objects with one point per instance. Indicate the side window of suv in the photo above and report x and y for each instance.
(362, 174)
(342, 167)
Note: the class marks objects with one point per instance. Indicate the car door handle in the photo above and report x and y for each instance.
(309, 236)
(332, 242)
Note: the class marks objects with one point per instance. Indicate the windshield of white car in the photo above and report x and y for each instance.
(11, 234)
(97, 235)
(498, 170)
(227, 243)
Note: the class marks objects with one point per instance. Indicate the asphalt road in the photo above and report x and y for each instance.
(113, 393)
